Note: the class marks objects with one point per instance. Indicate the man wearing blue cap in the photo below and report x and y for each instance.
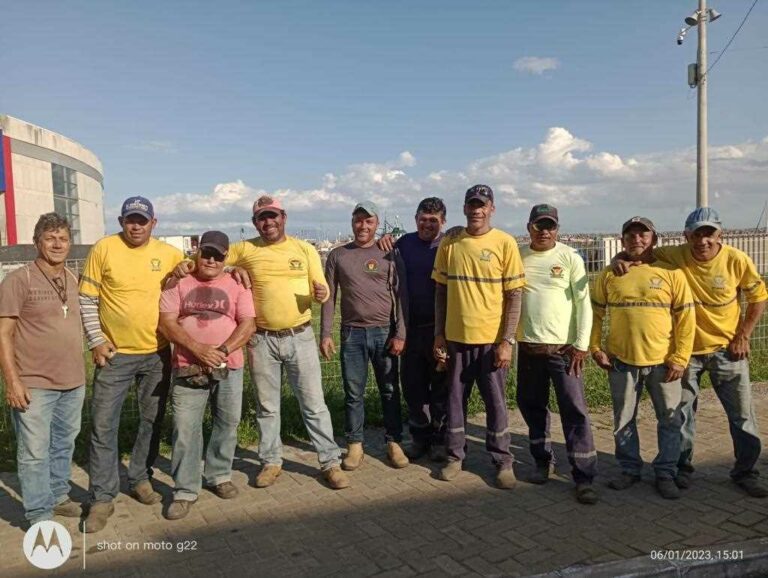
(120, 306)
(717, 273)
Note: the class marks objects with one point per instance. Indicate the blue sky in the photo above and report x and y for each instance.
(203, 106)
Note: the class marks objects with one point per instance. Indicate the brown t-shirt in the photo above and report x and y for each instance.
(48, 346)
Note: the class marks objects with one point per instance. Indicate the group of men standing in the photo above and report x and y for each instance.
(452, 306)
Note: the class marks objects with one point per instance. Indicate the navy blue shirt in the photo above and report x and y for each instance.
(419, 259)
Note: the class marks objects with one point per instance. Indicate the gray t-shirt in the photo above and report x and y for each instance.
(370, 289)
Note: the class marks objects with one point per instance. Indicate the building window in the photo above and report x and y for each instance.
(65, 198)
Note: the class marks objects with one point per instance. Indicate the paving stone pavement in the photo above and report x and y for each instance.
(407, 522)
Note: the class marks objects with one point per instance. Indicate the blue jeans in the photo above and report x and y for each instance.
(45, 442)
(626, 382)
(730, 380)
(152, 373)
(359, 345)
(188, 410)
(268, 354)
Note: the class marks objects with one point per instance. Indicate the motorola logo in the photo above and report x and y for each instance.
(47, 545)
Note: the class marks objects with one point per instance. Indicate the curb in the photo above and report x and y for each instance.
(736, 559)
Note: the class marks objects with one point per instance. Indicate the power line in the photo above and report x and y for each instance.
(711, 66)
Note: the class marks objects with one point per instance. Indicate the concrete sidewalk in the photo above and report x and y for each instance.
(407, 522)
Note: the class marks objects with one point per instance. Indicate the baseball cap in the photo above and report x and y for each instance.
(644, 221)
(368, 207)
(541, 212)
(267, 204)
(481, 192)
(703, 217)
(138, 206)
(215, 240)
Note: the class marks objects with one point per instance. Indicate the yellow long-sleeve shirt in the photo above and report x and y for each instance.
(651, 315)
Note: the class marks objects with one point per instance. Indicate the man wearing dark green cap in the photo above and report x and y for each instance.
(372, 329)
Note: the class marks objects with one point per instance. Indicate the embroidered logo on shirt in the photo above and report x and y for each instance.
(485, 255)
(718, 282)
(655, 283)
(295, 265)
(155, 264)
(371, 266)
(556, 272)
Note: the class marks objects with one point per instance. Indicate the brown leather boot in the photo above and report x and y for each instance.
(268, 475)
(396, 456)
(337, 479)
(354, 457)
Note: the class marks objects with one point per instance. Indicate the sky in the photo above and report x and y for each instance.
(204, 106)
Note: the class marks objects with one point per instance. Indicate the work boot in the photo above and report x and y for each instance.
(354, 457)
(753, 487)
(225, 490)
(505, 478)
(397, 459)
(541, 473)
(179, 509)
(145, 493)
(98, 513)
(667, 488)
(451, 470)
(68, 509)
(624, 481)
(416, 449)
(585, 493)
(268, 475)
(438, 453)
(336, 478)
(684, 479)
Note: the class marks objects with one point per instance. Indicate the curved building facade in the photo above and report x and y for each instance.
(42, 171)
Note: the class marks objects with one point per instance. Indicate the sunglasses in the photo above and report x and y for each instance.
(544, 225)
(211, 254)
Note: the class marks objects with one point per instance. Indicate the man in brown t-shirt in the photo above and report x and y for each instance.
(41, 355)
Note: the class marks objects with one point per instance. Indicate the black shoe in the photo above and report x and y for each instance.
(684, 479)
(667, 488)
(416, 449)
(541, 474)
(753, 487)
(585, 493)
(624, 481)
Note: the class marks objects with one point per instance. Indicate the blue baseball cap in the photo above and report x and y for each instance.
(703, 217)
(138, 206)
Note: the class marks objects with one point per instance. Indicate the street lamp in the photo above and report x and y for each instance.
(697, 76)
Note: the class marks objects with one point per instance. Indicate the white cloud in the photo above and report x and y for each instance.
(536, 64)
(595, 190)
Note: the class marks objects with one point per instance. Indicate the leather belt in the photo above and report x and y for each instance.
(284, 332)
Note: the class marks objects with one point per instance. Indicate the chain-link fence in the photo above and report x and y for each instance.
(596, 250)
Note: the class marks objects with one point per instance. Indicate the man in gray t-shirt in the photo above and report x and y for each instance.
(372, 329)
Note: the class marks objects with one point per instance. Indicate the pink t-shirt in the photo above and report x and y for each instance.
(209, 311)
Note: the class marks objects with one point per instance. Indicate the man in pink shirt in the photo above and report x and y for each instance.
(208, 317)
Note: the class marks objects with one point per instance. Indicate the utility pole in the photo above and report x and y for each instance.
(697, 76)
(702, 188)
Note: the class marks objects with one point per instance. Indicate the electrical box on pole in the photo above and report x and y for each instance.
(693, 75)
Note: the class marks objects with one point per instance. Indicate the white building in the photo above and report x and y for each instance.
(41, 172)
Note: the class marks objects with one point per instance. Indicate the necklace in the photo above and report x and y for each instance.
(59, 286)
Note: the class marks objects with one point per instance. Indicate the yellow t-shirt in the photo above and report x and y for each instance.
(715, 286)
(477, 270)
(651, 319)
(128, 282)
(282, 276)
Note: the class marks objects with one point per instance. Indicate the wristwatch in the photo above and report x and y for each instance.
(510, 340)
(224, 349)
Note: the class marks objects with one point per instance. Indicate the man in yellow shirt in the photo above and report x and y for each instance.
(717, 274)
(650, 337)
(120, 307)
(479, 276)
(287, 277)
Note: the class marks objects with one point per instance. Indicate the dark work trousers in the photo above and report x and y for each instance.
(425, 389)
(534, 374)
(468, 364)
